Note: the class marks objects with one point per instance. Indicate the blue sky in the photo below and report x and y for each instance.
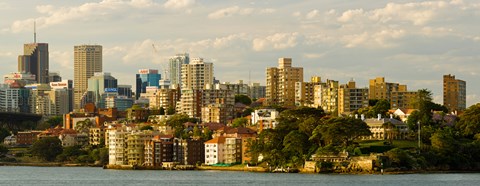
(409, 42)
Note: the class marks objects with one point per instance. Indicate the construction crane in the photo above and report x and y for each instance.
(164, 68)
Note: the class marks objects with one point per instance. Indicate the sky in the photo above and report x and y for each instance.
(407, 42)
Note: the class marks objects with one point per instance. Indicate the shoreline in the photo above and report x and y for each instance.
(242, 169)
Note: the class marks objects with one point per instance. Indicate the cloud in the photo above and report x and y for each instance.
(236, 10)
(349, 15)
(57, 15)
(6, 54)
(312, 14)
(61, 60)
(178, 4)
(276, 41)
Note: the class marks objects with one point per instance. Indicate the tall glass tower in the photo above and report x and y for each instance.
(146, 78)
(175, 68)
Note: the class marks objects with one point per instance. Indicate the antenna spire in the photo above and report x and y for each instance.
(34, 31)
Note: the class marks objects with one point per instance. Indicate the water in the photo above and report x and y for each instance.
(96, 176)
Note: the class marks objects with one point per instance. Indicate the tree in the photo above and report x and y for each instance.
(381, 107)
(170, 111)
(243, 99)
(342, 131)
(390, 130)
(197, 132)
(162, 111)
(146, 127)
(443, 140)
(3, 134)
(47, 148)
(3, 151)
(239, 122)
(83, 126)
(177, 121)
(469, 123)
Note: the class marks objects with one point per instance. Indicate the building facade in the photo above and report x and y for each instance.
(175, 68)
(35, 61)
(280, 89)
(197, 74)
(454, 93)
(351, 98)
(146, 78)
(87, 61)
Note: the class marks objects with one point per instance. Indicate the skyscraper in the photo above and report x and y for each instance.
(197, 74)
(281, 83)
(146, 78)
(35, 61)
(175, 66)
(454, 93)
(87, 61)
(100, 86)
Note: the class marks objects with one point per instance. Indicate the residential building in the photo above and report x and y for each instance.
(189, 151)
(454, 93)
(116, 141)
(395, 93)
(87, 61)
(218, 112)
(64, 87)
(27, 137)
(175, 66)
(192, 100)
(197, 74)
(265, 119)
(136, 146)
(35, 61)
(214, 151)
(256, 91)
(95, 135)
(379, 130)
(351, 98)
(14, 99)
(158, 150)
(146, 78)
(280, 89)
(326, 96)
(305, 92)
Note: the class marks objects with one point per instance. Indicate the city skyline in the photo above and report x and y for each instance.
(413, 43)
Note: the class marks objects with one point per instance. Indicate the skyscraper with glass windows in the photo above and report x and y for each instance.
(175, 68)
(146, 78)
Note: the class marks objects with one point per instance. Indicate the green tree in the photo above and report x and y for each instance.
(3, 134)
(239, 122)
(342, 131)
(162, 111)
(170, 111)
(469, 123)
(197, 132)
(390, 130)
(295, 146)
(47, 148)
(177, 123)
(3, 151)
(243, 99)
(381, 107)
(146, 127)
(83, 126)
(207, 134)
(443, 140)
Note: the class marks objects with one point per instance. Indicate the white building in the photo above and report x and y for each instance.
(214, 151)
(265, 118)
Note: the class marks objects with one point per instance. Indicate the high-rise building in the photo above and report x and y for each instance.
(304, 92)
(175, 66)
(146, 78)
(14, 99)
(351, 98)
(87, 61)
(197, 74)
(454, 93)
(395, 93)
(281, 83)
(54, 77)
(35, 61)
(100, 86)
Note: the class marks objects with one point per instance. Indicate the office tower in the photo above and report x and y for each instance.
(62, 87)
(146, 78)
(54, 77)
(454, 93)
(125, 90)
(351, 98)
(35, 61)
(87, 61)
(100, 86)
(175, 66)
(19, 79)
(281, 83)
(197, 74)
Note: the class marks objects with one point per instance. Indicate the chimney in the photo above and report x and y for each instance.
(379, 116)
(391, 116)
